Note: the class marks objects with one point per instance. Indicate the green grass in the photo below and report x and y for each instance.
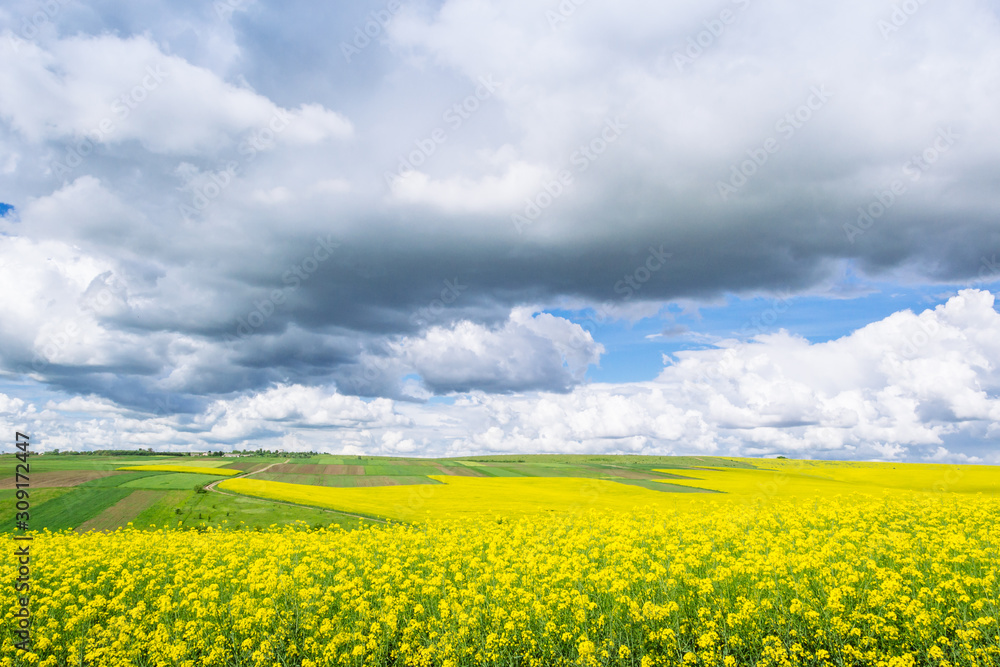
(551, 470)
(162, 512)
(121, 513)
(497, 471)
(614, 460)
(35, 496)
(363, 460)
(389, 480)
(83, 462)
(69, 510)
(171, 481)
(311, 460)
(49, 462)
(406, 470)
(213, 509)
(346, 480)
(122, 479)
(228, 461)
(335, 460)
(195, 461)
(296, 478)
(661, 486)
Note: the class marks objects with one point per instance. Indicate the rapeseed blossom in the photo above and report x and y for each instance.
(900, 580)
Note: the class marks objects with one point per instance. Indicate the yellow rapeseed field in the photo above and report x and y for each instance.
(781, 571)
(516, 496)
(461, 496)
(195, 469)
(809, 478)
(896, 582)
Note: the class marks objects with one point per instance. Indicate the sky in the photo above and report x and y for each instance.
(732, 228)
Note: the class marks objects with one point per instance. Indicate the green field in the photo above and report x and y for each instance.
(406, 470)
(71, 509)
(224, 511)
(121, 513)
(121, 480)
(83, 462)
(38, 496)
(171, 481)
(70, 496)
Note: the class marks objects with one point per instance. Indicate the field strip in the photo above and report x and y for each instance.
(282, 502)
(467, 496)
(119, 514)
(60, 478)
(212, 487)
(893, 573)
(197, 470)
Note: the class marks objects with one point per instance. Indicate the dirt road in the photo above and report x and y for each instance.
(211, 487)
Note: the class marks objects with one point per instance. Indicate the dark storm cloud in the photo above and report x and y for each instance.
(247, 256)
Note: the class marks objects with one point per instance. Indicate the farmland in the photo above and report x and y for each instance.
(196, 470)
(93, 484)
(518, 494)
(341, 489)
(602, 561)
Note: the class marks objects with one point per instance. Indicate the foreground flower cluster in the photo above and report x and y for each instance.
(898, 581)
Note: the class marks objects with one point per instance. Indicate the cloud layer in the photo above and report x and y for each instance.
(215, 204)
(912, 386)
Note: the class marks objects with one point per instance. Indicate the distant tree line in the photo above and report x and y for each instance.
(266, 453)
(116, 452)
(263, 453)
